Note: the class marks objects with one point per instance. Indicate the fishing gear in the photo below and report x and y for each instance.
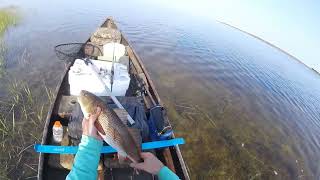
(71, 51)
(156, 125)
(112, 67)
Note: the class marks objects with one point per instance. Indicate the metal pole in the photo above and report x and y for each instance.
(112, 68)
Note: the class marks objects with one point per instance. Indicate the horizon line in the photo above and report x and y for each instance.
(269, 43)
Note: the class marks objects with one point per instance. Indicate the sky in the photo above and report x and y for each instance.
(292, 25)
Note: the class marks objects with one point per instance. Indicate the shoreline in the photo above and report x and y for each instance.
(269, 43)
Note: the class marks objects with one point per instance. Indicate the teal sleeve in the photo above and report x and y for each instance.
(166, 174)
(87, 159)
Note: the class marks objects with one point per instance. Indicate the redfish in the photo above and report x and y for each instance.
(110, 126)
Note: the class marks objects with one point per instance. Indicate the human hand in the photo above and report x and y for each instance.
(88, 127)
(151, 163)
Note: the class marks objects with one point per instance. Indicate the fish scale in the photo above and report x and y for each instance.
(111, 130)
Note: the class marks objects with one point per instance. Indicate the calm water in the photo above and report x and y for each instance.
(246, 110)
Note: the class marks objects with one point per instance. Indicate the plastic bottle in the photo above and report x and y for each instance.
(57, 131)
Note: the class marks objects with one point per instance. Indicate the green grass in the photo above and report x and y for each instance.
(22, 117)
(7, 18)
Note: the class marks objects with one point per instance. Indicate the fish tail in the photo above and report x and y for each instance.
(135, 160)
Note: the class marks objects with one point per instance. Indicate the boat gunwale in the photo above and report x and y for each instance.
(153, 87)
(48, 120)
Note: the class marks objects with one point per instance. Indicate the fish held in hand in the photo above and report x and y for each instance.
(110, 126)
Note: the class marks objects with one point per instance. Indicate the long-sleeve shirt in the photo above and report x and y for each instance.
(166, 174)
(87, 159)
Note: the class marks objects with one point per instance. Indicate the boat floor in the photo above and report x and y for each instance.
(109, 173)
(54, 169)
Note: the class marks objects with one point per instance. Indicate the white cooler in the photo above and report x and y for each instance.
(81, 77)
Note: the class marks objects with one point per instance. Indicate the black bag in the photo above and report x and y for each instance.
(75, 125)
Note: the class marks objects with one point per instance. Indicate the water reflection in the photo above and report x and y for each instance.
(262, 112)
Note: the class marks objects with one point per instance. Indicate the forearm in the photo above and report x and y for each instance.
(87, 159)
(166, 174)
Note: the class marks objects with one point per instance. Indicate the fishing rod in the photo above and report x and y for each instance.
(113, 59)
(112, 67)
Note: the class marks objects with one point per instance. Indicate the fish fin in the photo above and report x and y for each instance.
(135, 171)
(99, 127)
(133, 159)
(66, 161)
(103, 136)
(121, 158)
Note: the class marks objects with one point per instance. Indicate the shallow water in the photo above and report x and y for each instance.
(246, 110)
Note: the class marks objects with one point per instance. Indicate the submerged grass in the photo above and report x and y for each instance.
(229, 151)
(22, 117)
(2, 59)
(227, 136)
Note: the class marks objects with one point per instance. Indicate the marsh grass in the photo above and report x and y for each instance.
(7, 18)
(22, 115)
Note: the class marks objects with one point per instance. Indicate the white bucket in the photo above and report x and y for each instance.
(113, 49)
